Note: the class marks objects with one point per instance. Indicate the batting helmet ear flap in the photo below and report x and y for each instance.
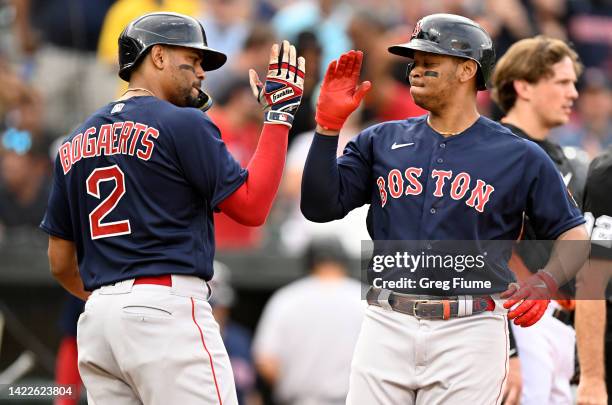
(408, 70)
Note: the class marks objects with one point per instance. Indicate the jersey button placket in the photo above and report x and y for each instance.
(439, 160)
(440, 154)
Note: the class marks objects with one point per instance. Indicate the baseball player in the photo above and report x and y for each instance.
(130, 215)
(447, 175)
(534, 83)
(593, 313)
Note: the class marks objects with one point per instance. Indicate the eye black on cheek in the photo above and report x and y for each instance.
(187, 67)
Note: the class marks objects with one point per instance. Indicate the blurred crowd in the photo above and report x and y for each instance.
(58, 64)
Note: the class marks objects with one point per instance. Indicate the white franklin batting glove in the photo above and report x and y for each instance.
(282, 93)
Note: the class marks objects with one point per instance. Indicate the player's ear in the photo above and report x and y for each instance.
(522, 89)
(467, 69)
(158, 56)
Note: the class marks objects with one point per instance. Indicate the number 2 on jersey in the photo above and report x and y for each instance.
(108, 229)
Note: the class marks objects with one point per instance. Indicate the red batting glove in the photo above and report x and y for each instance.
(532, 296)
(340, 95)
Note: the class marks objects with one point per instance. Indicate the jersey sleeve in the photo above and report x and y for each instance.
(205, 159)
(550, 206)
(355, 167)
(332, 187)
(57, 220)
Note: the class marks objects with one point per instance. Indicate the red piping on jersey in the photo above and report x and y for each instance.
(212, 367)
(250, 204)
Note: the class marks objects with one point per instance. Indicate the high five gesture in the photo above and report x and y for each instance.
(341, 92)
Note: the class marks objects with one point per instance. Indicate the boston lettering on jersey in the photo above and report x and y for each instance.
(396, 187)
(124, 137)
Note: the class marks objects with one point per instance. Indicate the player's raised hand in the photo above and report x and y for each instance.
(282, 92)
(341, 92)
(529, 298)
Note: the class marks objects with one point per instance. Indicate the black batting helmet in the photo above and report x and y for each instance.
(454, 35)
(164, 28)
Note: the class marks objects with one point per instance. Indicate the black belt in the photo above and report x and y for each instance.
(563, 315)
(430, 307)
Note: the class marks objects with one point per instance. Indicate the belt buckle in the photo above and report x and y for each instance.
(416, 304)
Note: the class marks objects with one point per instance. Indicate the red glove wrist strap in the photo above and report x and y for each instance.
(548, 280)
(328, 121)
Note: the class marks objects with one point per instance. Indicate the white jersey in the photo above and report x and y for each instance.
(311, 327)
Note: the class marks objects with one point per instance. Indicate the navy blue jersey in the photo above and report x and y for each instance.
(135, 187)
(471, 186)
(422, 186)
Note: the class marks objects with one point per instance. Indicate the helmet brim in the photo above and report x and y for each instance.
(407, 49)
(211, 59)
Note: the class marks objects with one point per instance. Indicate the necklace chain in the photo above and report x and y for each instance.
(440, 132)
(138, 89)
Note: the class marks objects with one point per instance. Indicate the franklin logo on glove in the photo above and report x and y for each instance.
(281, 95)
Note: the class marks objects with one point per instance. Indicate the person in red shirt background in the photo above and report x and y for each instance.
(237, 115)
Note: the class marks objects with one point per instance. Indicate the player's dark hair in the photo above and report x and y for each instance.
(235, 86)
(324, 249)
(529, 59)
(307, 40)
(260, 35)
